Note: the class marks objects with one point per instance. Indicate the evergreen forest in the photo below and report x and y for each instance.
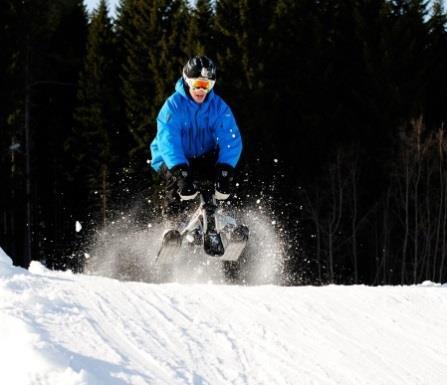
(341, 105)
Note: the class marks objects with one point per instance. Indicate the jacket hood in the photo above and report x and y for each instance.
(182, 89)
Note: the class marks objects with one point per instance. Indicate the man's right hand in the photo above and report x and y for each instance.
(186, 188)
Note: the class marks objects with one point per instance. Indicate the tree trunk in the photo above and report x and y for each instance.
(354, 222)
(104, 194)
(27, 121)
(440, 204)
(406, 209)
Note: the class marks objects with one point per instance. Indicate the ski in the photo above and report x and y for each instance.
(236, 244)
(170, 246)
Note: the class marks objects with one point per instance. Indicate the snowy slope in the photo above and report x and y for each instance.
(63, 329)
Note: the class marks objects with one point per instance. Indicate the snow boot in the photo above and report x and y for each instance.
(212, 244)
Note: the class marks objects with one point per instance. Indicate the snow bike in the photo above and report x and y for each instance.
(217, 233)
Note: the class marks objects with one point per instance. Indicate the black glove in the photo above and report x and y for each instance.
(223, 181)
(186, 188)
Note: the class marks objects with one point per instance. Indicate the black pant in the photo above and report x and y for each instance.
(202, 169)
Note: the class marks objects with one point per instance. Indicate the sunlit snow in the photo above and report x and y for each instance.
(60, 328)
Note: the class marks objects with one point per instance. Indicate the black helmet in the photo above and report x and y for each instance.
(200, 67)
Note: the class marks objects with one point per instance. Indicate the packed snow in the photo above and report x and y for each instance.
(72, 329)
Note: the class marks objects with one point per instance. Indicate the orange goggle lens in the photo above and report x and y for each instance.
(201, 83)
(196, 83)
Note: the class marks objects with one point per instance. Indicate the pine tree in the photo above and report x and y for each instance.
(54, 97)
(200, 37)
(372, 19)
(436, 86)
(153, 37)
(297, 70)
(169, 55)
(95, 133)
(11, 193)
(243, 33)
(405, 46)
(9, 31)
(6, 39)
(136, 38)
(42, 70)
(228, 28)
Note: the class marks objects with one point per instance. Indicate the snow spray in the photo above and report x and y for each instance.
(126, 250)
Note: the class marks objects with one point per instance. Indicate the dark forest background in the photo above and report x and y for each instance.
(341, 104)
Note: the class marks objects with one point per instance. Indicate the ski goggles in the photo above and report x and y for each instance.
(196, 83)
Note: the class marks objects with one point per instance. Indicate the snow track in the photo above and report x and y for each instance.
(60, 328)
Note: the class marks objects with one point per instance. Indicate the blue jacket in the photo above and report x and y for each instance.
(186, 129)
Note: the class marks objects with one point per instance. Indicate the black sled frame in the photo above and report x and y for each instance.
(218, 233)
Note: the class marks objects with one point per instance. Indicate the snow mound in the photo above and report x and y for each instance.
(4, 259)
(5, 263)
(63, 328)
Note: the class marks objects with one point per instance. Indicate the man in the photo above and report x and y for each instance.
(197, 137)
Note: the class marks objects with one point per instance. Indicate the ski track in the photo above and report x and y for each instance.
(87, 330)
